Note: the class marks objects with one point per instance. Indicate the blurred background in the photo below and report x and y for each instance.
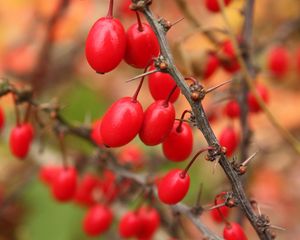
(45, 50)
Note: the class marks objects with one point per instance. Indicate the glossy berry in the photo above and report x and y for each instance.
(253, 103)
(85, 190)
(105, 44)
(179, 144)
(20, 139)
(232, 109)
(173, 187)
(229, 139)
(160, 85)
(142, 45)
(230, 62)
(95, 133)
(211, 65)
(233, 231)
(149, 221)
(64, 184)
(2, 119)
(213, 5)
(48, 173)
(215, 213)
(122, 122)
(97, 220)
(129, 225)
(278, 61)
(131, 155)
(158, 122)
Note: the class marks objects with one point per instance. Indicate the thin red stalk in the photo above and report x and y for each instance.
(110, 9)
(184, 172)
(134, 97)
(167, 100)
(178, 129)
(140, 25)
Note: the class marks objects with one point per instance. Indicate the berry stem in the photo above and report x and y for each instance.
(194, 80)
(140, 25)
(17, 112)
(134, 98)
(167, 100)
(61, 137)
(179, 127)
(110, 9)
(184, 172)
(28, 111)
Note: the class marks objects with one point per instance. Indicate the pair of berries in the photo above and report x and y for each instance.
(62, 180)
(141, 223)
(108, 43)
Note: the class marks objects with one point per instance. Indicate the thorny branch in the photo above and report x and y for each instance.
(204, 126)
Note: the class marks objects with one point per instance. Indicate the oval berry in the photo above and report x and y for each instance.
(129, 225)
(95, 133)
(64, 184)
(179, 144)
(2, 119)
(20, 140)
(131, 155)
(215, 213)
(160, 85)
(253, 103)
(278, 61)
(105, 44)
(97, 220)
(173, 187)
(149, 221)
(230, 62)
(233, 231)
(48, 173)
(213, 5)
(85, 190)
(122, 122)
(229, 139)
(232, 109)
(211, 65)
(158, 122)
(142, 45)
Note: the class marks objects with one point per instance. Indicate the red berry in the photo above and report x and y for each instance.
(253, 103)
(149, 221)
(108, 186)
(131, 155)
(125, 9)
(232, 109)
(122, 122)
(215, 213)
(179, 144)
(278, 61)
(95, 133)
(97, 220)
(129, 225)
(160, 86)
(234, 231)
(20, 139)
(211, 65)
(141, 45)
(84, 192)
(48, 173)
(230, 63)
(229, 139)
(213, 5)
(64, 184)
(298, 60)
(158, 122)
(2, 119)
(173, 187)
(105, 44)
